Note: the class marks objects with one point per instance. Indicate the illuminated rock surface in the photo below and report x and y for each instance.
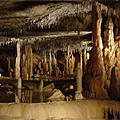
(84, 109)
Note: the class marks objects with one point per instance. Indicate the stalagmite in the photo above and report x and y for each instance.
(19, 89)
(79, 74)
(17, 73)
(114, 87)
(40, 90)
(109, 50)
(93, 83)
(115, 72)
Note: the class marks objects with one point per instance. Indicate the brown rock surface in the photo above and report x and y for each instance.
(109, 49)
(95, 72)
(95, 76)
(114, 86)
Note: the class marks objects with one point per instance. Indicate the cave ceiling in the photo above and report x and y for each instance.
(32, 21)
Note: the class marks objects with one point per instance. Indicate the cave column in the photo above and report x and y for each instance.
(17, 73)
(78, 94)
(40, 91)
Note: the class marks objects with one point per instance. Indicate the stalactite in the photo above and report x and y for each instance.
(40, 89)
(45, 64)
(50, 63)
(17, 62)
(55, 64)
(27, 64)
(71, 62)
(66, 61)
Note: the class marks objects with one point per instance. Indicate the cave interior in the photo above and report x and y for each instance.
(59, 51)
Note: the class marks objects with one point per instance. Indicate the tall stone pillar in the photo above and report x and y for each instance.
(115, 72)
(93, 83)
(109, 50)
(79, 75)
(17, 74)
(40, 90)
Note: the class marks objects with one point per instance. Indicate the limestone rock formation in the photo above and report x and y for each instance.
(95, 76)
(115, 75)
(93, 84)
(114, 85)
(109, 50)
